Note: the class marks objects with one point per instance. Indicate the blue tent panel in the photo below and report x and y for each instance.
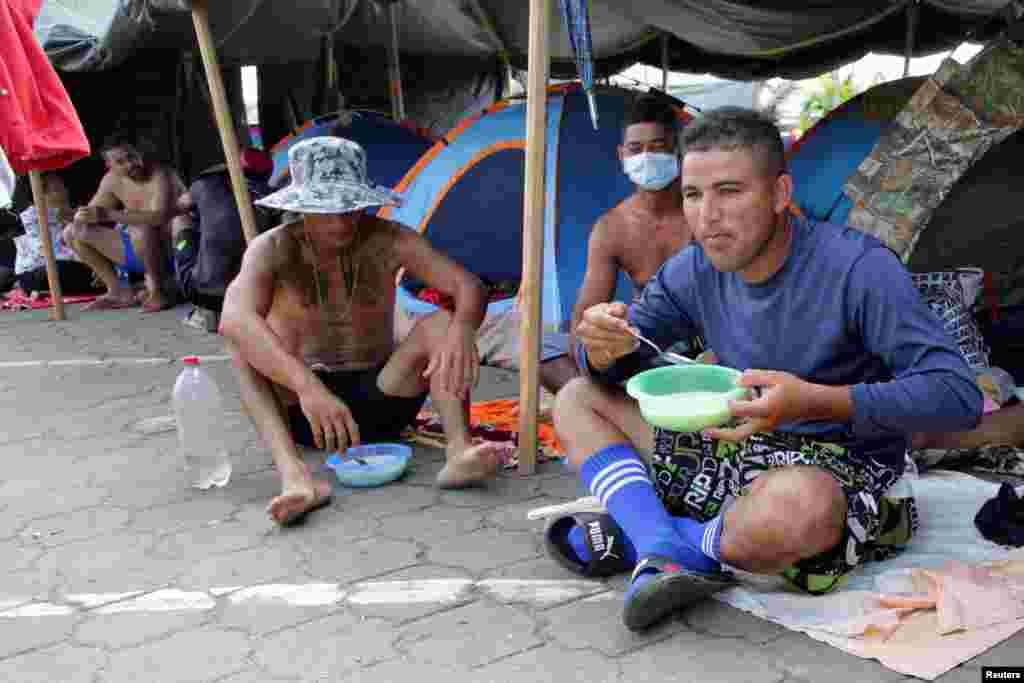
(826, 159)
(479, 223)
(583, 194)
(391, 149)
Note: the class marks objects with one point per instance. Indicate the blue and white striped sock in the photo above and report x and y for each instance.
(711, 539)
(618, 477)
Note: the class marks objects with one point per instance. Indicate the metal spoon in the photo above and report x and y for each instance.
(671, 357)
(356, 458)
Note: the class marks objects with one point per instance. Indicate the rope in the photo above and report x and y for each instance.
(248, 15)
(256, 4)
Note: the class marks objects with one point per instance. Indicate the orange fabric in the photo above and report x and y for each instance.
(504, 414)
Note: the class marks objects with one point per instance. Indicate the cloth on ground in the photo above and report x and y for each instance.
(1005, 460)
(856, 620)
(496, 421)
(18, 300)
(1001, 519)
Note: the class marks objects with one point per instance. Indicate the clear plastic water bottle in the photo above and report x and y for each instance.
(200, 417)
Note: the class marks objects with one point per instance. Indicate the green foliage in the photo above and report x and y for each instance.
(829, 94)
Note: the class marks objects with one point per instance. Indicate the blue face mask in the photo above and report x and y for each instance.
(651, 171)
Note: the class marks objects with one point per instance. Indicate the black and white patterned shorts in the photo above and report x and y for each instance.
(695, 477)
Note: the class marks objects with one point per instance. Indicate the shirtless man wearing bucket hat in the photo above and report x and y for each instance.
(308, 322)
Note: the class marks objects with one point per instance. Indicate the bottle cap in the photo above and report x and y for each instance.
(191, 360)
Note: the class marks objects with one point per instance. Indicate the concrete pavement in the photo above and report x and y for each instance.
(114, 572)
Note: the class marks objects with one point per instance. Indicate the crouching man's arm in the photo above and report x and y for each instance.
(244, 318)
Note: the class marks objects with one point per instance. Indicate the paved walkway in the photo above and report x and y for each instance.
(113, 571)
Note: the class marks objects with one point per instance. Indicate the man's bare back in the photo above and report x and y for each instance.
(322, 318)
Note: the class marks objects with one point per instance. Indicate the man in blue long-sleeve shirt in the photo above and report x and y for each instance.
(825, 321)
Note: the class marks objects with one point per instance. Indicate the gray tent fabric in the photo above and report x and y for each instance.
(745, 39)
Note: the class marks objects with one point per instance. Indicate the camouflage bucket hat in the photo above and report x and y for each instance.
(328, 175)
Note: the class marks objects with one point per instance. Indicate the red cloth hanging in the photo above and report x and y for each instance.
(39, 127)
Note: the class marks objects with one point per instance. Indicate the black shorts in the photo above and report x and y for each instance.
(378, 416)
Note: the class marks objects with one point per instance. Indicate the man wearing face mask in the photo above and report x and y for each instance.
(646, 228)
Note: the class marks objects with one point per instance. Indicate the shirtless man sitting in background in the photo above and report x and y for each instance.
(646, 228)
(129, 216)
(309, 324)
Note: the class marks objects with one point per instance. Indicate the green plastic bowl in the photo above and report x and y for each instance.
(686, 398)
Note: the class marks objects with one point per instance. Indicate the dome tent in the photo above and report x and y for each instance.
(466, 194)
(391, 148)
(980, 221)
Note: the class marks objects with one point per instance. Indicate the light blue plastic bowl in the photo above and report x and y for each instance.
(385, 462)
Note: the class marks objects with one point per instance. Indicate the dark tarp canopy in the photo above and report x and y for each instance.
(744, 39)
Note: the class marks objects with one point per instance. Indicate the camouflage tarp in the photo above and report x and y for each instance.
(933, 141)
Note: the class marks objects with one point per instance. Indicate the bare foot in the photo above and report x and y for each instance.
(470, 467)
(110, 301)
(294, 504)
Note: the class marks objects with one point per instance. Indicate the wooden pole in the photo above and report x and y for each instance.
(533, 233)
(228, 136)
(39, 196)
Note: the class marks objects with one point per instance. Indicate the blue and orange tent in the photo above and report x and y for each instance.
(466, 194)
(824, 158)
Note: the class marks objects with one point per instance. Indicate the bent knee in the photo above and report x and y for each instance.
(578, 394)
(816, 494)
(427, 334)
